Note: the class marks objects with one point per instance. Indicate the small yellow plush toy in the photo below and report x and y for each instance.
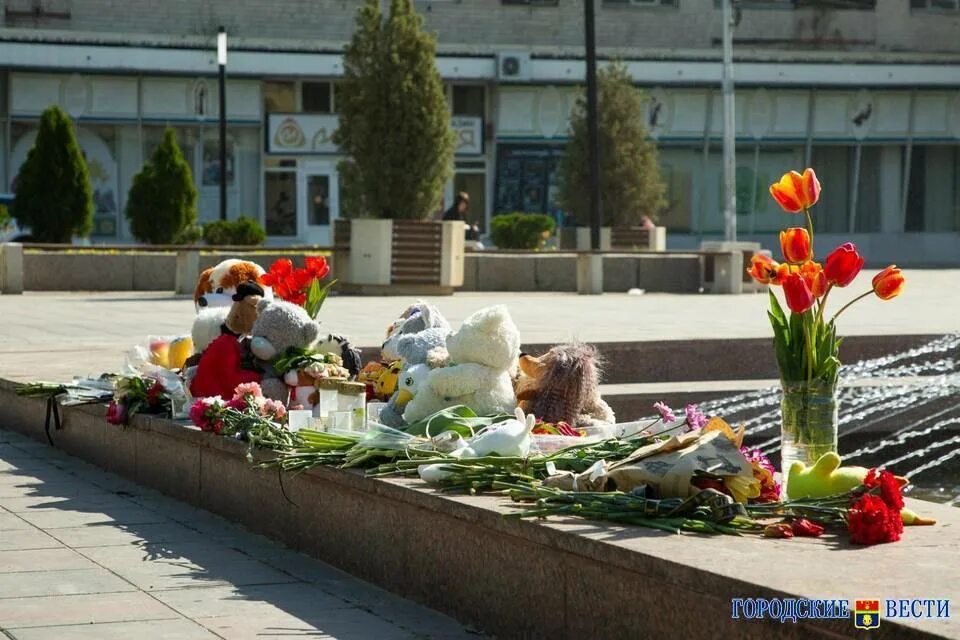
(827, 478)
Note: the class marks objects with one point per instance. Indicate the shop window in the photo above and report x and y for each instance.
(527, 179)
(933, 199)
(316, 97)
(468, 100)
(280, 203)
(279, 97)
(935, 5)
(318, 199)
(210, 170)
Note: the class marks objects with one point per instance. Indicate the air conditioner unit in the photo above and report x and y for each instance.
(513, 66)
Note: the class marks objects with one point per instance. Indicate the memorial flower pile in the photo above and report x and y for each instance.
(248, 415)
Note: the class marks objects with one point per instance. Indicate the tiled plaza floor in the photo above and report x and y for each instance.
(87, 555)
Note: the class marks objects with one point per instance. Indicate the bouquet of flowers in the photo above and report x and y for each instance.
(248, 415)
(300, 286)
(137, 394)
(805, 342)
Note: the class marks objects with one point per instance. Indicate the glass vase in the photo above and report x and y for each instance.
(808, 414)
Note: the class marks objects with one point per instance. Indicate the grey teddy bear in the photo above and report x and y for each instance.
(278, 327)
(419, 338)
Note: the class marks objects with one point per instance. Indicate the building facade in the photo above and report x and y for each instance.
(865, 91)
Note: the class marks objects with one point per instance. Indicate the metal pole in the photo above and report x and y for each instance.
(593, 126)
(222, 64)
(855, 190)
(729, 129)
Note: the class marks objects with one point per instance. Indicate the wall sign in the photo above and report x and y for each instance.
(312, 134)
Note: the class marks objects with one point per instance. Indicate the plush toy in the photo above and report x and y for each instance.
(563, 385)
(417, 318)
(827, 478)
(409, 382)
(418, 337)
(225, 363)
(304, 381)
(280, 326)
(483, 353)
(349, 354)
(216, 285)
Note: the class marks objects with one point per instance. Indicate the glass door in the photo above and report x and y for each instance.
(319, 202)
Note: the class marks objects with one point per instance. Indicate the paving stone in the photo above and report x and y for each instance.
(177, 629)
(98, 500)
(57, 518)
(103, 535)
(26, 538)
(42, 560)
(11, 521)
(61, 583)
(177, 565)
(81, 609)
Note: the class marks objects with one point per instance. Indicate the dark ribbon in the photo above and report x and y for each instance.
(53, 409)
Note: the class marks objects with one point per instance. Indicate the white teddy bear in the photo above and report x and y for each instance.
(483, 355)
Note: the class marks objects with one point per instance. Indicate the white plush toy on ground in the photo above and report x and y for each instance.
(483, 355)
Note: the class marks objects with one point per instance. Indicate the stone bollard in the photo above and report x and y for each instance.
(188, 270)
(728, 272)
(11, 268)
(589, 273)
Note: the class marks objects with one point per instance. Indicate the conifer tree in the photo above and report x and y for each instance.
(394, 119)
(53, 196)
(630, 181)
(163, 199)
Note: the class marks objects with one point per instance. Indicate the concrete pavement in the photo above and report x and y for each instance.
(58, 335)
(86, 555)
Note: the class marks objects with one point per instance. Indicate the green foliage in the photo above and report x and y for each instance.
(191, 234)
(521, 230)
(630, 181)
(806, 347)
(394, 119)
(242, 231)
(54, 197)
(163, 199)
(5, 219)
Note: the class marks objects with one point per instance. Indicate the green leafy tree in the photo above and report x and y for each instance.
(630, 183)
(162, 202)
(54, 197)
(394, 119)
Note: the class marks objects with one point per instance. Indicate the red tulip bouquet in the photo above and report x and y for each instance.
(300, 286)
(806, 343)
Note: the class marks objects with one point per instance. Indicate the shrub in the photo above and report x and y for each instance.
(53, 196)
(163, 199)
(521, 230)
(191, 234)
(629, 173)
(242, 231)
(394, 126)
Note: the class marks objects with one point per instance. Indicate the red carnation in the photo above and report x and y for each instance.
(870, 521)
(889, 487)
(806, 528)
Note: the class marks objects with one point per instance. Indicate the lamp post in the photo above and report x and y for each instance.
(222, 64)
(593, 125)
(729, 129)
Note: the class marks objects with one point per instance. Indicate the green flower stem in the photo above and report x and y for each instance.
(844, 307)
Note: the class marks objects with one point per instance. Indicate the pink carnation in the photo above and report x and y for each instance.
(248, 388)
(695, 418)
(666, 413)
(273, 409)
(205, 414)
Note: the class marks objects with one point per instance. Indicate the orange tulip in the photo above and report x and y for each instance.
(795, 192)
(888, 283)
(795, 244)
(815, 278)
(763, 269)
(798, 294)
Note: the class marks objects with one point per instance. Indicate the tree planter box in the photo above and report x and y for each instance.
(616, 238)
(401, 257)
(457, 554)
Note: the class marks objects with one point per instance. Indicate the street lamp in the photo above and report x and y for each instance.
(729, 129)
(593, 125)
(222, 64)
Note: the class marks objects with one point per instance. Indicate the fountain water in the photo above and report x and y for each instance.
(901, 411)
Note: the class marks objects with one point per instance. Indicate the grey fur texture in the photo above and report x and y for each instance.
(279, 326)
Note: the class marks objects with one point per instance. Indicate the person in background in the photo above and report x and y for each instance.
(647, 223)
(461, 205)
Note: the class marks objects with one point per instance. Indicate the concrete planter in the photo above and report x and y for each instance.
(399, 256)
